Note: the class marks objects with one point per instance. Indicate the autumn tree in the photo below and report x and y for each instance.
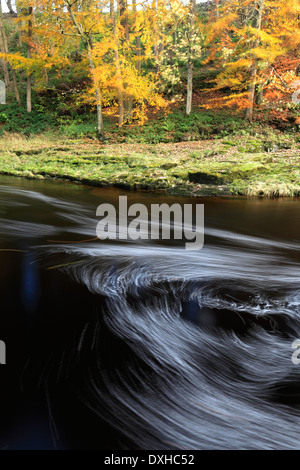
(246, 39)
(180, 39)
(120, 56)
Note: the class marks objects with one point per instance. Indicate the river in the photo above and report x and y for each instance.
(123, 344)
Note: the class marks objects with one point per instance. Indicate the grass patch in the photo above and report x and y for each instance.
(209, 167)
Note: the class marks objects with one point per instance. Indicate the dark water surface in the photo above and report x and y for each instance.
(143, 344)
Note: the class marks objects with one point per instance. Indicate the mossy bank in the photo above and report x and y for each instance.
(242, 165)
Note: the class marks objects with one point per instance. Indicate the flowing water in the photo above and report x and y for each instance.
(144, 344)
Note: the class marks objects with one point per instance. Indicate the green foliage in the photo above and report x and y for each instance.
(177, 127)
(3, 118)
(16, 119)
(77, 129)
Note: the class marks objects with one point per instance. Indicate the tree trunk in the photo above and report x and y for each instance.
(253, 69)
(217, 9)
(5, 73)
(29, 77)
(97, 92)
(137, 40)
(260, 97)
(251, 90)
(118, 73)
(127, 98)
(124, 16)
(3, 62)
(4, 66)
(156, 35)
(10, 8)
(138, 63)
(190, 64)
(28, 94)
(5, 47)
(19, 27)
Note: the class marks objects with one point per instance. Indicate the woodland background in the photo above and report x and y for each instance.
(218, 79)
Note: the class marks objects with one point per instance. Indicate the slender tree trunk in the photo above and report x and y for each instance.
(137, 62)
(97, 91)
(137, 41)
(29, 77)
(19, 27)
(5, 47)
(121, 108)
(15, 84)
(156, 35)
(251, 90)
(217, 9)
(45, 75)
(99, 107)
(253, 70)
(10, 8)
(190, 64)
(127, 99)
(138, 53)
(3, 33)
(124, 17)
(260, 97)
(5, 73)
(119, 74)
(4, 66)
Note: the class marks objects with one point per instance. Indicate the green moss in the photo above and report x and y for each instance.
(165, 167)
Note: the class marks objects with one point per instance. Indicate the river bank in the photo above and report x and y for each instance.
(237, 165)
